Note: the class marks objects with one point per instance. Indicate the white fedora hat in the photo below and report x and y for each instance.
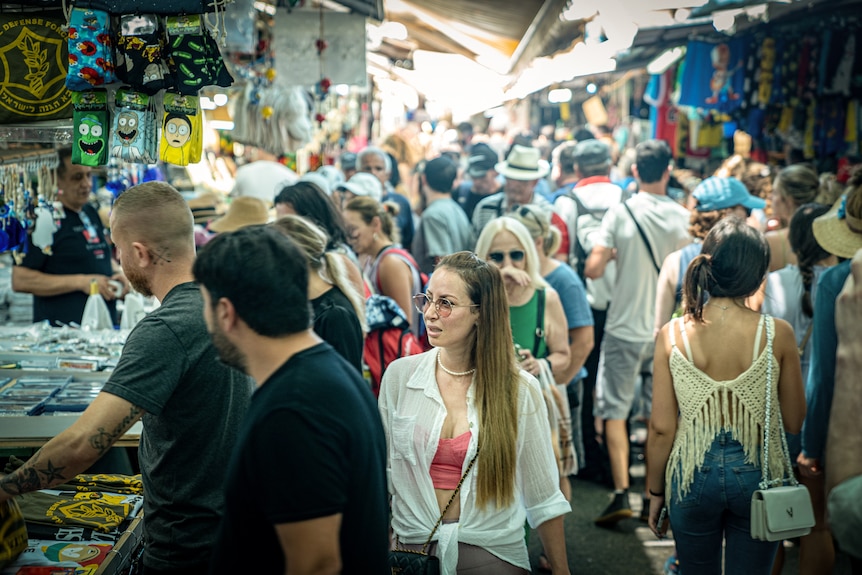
(523, 163)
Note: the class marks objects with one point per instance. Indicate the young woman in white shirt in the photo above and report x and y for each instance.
(468, 398)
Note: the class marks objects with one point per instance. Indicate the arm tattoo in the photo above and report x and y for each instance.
(27, 478)
(104, 439)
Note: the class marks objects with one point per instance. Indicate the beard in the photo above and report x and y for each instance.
(139, 281)
(228, 353)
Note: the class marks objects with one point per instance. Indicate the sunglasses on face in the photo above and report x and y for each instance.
(499, 257)
(442, 305)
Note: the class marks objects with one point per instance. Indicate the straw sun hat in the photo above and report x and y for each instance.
(242, 211)
(839, 231)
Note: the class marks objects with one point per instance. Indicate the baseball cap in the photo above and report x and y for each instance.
(363, 184)
(715, 193)
(482, 158)
(591, 153)
(347, 161)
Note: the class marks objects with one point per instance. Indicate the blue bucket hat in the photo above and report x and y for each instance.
(721, 193)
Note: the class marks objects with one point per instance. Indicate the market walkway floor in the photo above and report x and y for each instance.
(630, 547)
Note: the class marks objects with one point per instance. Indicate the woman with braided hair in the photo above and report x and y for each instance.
(789, 295)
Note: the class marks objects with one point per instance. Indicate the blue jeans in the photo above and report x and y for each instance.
(717, 508)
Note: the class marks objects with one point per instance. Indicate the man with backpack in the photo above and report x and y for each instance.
(638, 233)
(582, 208)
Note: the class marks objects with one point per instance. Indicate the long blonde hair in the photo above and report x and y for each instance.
(312, 240)
(522, 234)
(497, 381)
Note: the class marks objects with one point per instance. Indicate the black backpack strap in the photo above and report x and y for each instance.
(540, 322)
(644, 238)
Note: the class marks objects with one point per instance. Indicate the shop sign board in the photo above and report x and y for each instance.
(297, 61)
(33, 60)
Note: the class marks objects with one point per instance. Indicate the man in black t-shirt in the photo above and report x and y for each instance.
(306, 484)
(168, 376)
(59, 274)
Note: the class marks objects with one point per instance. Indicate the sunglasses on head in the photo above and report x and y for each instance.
(514, 255)
(526, 212)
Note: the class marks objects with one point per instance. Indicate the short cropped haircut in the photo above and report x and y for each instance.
(264, 275)
(652, 159)
(156, 214)
(440, 173)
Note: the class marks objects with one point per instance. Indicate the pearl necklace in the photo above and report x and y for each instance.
(453, 373)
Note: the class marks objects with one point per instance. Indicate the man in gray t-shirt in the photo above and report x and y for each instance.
(169, 376)
(444, 228)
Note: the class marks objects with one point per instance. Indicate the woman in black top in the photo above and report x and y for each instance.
(339, 310)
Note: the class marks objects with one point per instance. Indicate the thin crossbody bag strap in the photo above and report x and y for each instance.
(644, 238)
(443, 513)
(765, 482)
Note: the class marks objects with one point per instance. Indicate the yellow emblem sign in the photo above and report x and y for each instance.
(33, 67)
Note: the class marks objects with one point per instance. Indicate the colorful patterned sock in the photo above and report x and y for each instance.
(188, 54)
(140, 52)
(92, 126)
(91, 61)
(181, 142)
(135, 128)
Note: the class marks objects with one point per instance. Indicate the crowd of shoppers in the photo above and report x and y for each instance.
(556, 315)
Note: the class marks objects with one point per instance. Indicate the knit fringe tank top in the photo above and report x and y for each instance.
(705, 403)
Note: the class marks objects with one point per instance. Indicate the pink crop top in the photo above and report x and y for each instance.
(448, 462)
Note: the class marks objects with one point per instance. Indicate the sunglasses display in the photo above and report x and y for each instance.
(514, 255)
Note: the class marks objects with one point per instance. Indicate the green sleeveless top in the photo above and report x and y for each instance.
(525, 321)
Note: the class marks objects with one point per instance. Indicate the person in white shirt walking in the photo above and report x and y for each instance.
(638, 233)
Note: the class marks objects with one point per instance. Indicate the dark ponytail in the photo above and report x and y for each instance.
(696, 284)
(808, 251)
(733, 262)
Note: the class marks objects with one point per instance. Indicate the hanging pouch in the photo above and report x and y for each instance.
(134, 125)
(91, 59)
(92, 127)
(188, 53)
(140, 53)
(181, 142)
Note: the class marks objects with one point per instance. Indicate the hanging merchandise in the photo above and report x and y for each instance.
(21, 209)
(33, 60)
(91, 60)
(162, 7)
(134, 135)
(92, 123)
(713, 76)
(195, 59)
(182, 140)
(140, 53)
(274, 118)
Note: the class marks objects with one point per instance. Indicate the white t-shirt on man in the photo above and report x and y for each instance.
(632, 312)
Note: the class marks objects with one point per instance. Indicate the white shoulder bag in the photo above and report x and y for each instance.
(778, 511)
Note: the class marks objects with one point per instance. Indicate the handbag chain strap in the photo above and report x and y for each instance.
(765, 482)
(442, 514)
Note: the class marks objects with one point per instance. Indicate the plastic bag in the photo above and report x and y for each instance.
(96, 314)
